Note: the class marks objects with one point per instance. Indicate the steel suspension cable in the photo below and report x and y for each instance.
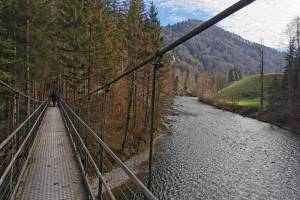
(17, 92)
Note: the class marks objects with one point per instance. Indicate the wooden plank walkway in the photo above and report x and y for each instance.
(52, 172)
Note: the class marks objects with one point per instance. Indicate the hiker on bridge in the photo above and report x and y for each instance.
(54, 98)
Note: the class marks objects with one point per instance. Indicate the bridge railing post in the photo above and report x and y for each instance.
(11, 176)
(102, 137)
(17, 124)
(86, 135)
(78, 113)
(17, 110)
(156, 66)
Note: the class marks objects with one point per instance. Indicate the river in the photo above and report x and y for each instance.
(213, 154)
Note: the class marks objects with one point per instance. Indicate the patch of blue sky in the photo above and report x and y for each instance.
(172, 17)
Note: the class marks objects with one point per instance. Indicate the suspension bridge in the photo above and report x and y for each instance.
(52, 153)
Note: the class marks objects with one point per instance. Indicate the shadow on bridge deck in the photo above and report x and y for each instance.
(53, 172)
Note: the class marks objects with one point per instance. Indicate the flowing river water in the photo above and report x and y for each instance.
(213, 154)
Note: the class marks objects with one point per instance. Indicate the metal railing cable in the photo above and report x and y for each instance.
(75, 137)
(15, 108)
(126, 189)
(15, 132)
(78, 129)
(17, 92)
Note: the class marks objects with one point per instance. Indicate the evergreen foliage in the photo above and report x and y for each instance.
(234, 74)
(74, 47)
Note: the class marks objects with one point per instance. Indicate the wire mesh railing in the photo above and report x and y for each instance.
(15, 107)
(15, 150)
(96, 159)
(19, 122)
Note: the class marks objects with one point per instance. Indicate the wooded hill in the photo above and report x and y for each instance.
(217, 50)
(220, 50)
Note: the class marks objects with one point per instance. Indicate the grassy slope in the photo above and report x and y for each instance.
(246, 92)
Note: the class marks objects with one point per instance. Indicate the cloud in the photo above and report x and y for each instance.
(262, 20)
(176, 18)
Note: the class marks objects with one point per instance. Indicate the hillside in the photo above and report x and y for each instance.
(247, 90)
(217, 50)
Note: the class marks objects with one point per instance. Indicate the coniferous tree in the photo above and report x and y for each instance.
(284, 104)
(73, 47)
(164, 76)
(135, 40)
(73, 36)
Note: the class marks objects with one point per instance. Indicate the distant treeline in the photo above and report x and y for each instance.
(285, 94)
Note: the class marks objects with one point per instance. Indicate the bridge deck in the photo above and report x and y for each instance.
(52, 172)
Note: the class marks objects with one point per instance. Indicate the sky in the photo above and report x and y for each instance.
(263, 20)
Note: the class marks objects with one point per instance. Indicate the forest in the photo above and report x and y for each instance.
(74, 47)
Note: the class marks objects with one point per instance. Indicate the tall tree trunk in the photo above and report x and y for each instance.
(130, 96)
(27, 70)
(262, 79)
(147, 101)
